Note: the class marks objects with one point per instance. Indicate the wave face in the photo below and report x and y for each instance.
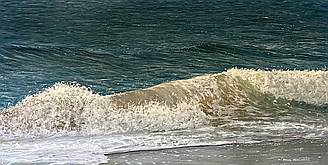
(214, 99)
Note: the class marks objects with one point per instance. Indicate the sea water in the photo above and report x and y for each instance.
(163, 82)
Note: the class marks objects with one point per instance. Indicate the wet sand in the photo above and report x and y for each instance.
(300, 152)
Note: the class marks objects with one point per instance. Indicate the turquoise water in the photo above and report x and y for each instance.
(80, 75)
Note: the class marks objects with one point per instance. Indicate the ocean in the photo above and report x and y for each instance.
(163, 82)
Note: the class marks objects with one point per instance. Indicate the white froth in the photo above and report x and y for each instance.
(70, 109)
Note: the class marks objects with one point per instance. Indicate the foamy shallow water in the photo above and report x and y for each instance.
(92, 149)
(170, 147)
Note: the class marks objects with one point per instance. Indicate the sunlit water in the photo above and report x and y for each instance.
(163, 82)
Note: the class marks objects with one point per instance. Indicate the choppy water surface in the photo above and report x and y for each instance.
(163, 82)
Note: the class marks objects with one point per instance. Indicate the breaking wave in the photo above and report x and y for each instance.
(214, 99)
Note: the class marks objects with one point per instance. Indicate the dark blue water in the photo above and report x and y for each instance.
(117, 46)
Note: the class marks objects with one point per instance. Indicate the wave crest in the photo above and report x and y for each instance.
(234, 94)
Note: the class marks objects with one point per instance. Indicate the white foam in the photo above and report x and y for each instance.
(52, 151)
(70, 109)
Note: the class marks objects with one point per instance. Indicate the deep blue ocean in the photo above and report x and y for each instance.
(77, 79)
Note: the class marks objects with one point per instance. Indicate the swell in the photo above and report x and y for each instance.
(215, 99)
